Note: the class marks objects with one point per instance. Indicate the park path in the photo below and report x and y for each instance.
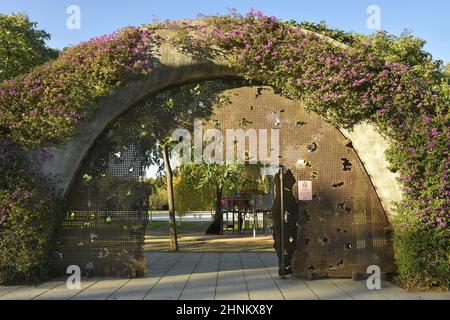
(209, 276)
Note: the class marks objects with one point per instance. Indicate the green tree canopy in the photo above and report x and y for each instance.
(209, 182)
(22, 46)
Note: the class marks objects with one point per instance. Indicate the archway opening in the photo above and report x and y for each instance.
(113, 213)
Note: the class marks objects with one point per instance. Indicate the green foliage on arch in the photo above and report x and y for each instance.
(46, 104)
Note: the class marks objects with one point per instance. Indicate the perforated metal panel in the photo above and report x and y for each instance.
(103, 229)
(341, 231)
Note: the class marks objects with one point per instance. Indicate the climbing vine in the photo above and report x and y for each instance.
(46, 104)
(347, 85)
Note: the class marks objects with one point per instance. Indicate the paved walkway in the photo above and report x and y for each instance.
(220, 276)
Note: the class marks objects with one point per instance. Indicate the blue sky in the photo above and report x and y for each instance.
(428, 19)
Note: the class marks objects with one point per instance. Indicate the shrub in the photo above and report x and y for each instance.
(27, 215)
(421, 252)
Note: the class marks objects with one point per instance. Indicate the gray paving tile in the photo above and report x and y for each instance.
(292, 288)
(201, 286)
(358, 290)
(62, 292)
(135, 289)
(261, 285)
(171, 286)
(325, 289)
(7, 289)
(28, 293)
(101, 290)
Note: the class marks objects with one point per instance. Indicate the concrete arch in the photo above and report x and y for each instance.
(175, 68)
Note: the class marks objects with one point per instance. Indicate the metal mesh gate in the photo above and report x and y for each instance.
(344, 226)
(103, 229)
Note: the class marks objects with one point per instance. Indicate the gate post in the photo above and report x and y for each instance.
(283, 262)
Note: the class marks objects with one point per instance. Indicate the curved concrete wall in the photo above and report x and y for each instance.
(174, 68)
(371, 146)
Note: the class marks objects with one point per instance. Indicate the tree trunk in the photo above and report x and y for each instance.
(218, 203)
(216, 226)
(170, 199)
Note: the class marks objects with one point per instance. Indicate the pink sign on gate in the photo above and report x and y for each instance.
(305, 191)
